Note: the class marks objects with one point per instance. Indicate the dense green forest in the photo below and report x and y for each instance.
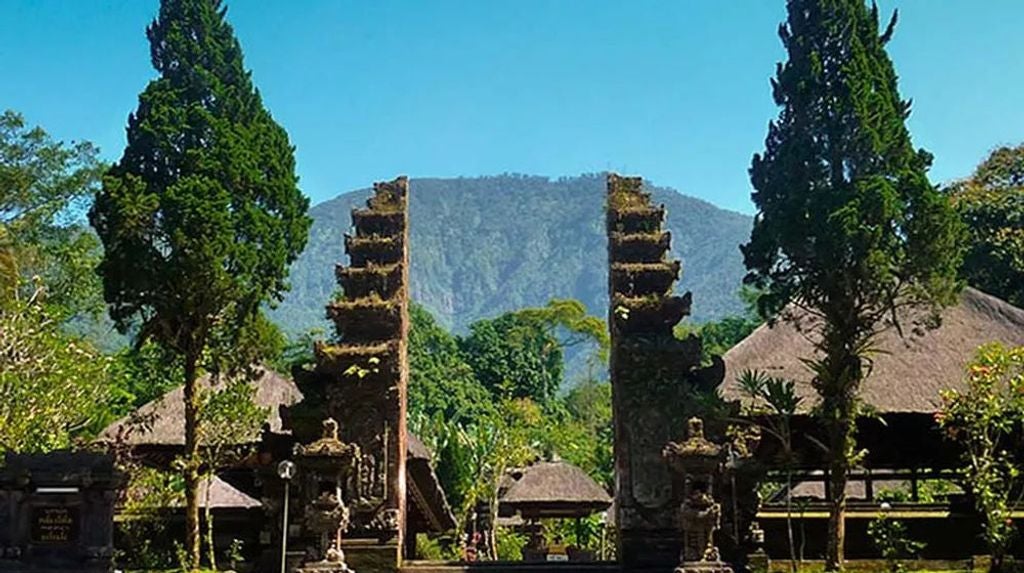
(485, 245)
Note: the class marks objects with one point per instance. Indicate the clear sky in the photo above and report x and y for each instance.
(675, 90)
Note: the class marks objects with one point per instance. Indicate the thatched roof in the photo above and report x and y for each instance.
(907, 373)
(224, 496)
(160, 422)
(555, 488)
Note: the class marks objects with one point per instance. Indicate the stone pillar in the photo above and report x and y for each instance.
(360, 380)
(653, 374)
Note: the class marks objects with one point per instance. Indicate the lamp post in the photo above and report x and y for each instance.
(285, 471)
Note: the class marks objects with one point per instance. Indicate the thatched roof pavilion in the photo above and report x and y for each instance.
(906, 377)
(551, 489)
(908, 372)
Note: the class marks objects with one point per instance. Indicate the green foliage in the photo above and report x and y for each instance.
(473, 457)
(520, 354)
(229, 419)
(890, 537)
(580, 430)
(928, 491)
(297, 352)
(991, 203)
(434, 549)
(849, 227)
(44, 187)
(235, 556)
(512, 356)
(509, 543)
(143, 526)
(145, 373)
(569, 318)
(719, 335)
(202, 215)
(987, 420)
(774, 401)
(440, 380)
(584, 533)
(54, 386)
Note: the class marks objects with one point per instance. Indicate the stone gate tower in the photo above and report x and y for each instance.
(653, 375)
(361, 379)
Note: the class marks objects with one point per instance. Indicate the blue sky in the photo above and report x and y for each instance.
(675, 90)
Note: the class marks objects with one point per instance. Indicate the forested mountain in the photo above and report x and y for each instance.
(485, 245)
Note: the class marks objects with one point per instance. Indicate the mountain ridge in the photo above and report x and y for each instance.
(485, 245)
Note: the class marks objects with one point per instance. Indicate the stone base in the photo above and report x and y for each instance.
(649, 550)
(758, 562)
(703, 567)
(372, 556)
(324, 567)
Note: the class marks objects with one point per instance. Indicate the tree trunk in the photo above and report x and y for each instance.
(211, 551)
(839, 411)
(789, 517)
(834, 556)
(191, 469)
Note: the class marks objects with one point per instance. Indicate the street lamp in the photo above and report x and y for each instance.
(285, 471)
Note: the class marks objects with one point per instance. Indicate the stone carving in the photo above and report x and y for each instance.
(326, 467)
(698, 461)
(327, 517)
(359, 380)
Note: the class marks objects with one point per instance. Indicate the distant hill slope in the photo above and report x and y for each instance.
(485, 245)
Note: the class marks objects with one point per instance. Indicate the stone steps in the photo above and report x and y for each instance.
(509, 567)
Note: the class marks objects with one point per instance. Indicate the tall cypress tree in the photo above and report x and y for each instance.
(849, 228)
(202, 215)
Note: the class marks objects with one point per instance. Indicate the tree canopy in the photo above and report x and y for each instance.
(440, 380)
(991, 203)
(44, 188)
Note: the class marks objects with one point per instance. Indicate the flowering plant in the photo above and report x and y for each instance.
(987, 419)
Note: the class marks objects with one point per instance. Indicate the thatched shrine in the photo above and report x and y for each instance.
(551, 489)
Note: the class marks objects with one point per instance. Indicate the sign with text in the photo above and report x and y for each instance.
(54, 525)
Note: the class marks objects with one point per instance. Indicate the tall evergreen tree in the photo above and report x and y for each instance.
(849, 228)
(202, 215)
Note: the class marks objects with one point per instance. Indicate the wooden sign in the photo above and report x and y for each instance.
(54, 525)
